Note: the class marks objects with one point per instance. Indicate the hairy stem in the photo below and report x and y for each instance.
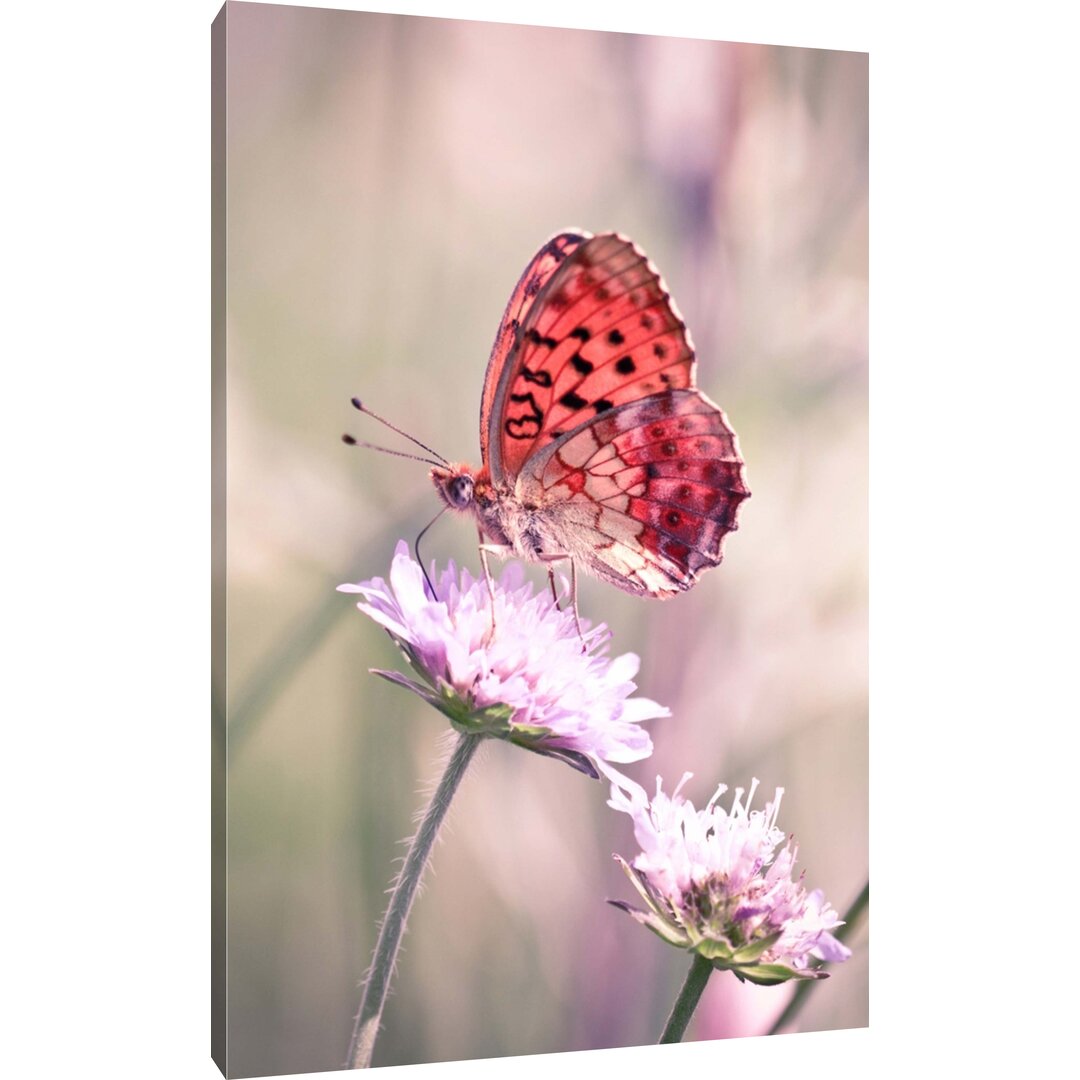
(687, 1001)
(369, 1017)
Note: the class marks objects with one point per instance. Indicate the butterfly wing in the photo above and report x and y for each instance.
(644, 494)
(505, 353)
(590, 327)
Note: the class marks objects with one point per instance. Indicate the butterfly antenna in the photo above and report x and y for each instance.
(348, 440)
(416, 550)
(361, 407)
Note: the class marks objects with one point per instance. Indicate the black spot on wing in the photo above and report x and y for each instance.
(526, 426)
(541, 378)
(536, 338)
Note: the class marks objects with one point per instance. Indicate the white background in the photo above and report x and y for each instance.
(105, 441)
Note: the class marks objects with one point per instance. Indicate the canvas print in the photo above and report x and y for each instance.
(540, 682)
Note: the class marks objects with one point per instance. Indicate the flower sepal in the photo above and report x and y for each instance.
(495, 722)
(656, 903)
(492, 720)
(656, 918)
(536, 737)
(743, 961)
(660, 926)
(721, 951)
(574, 758)
(771, 974)
(721, 954)
(429, 695)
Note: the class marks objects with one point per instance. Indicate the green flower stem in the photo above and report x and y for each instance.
(687, 1001)
(382, 964)
(851, 919)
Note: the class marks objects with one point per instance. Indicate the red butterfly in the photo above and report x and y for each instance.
(596, 445)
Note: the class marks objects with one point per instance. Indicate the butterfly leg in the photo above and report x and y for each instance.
(494, 549)
(551, 582)
(573, 602)
(550, 559)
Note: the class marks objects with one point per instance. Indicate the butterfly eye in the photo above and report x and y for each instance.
(460, 491)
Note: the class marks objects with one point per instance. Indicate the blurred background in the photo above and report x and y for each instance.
(388, 179)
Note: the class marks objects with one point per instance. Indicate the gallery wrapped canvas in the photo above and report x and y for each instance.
(570, 629)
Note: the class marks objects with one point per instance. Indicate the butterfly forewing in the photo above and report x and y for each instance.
(600, 331)
(502, 360)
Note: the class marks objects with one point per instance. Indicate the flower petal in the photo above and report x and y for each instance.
(532, 661)
(725, 880)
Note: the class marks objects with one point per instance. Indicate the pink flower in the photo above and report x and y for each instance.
(715, 884)
(530, 682)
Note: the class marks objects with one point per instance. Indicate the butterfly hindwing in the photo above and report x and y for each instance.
(599, 331)
(644, 494)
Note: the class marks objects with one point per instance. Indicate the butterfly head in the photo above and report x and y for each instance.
(456, 485)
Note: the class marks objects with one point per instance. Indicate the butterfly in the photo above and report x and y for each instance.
(596, 446)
